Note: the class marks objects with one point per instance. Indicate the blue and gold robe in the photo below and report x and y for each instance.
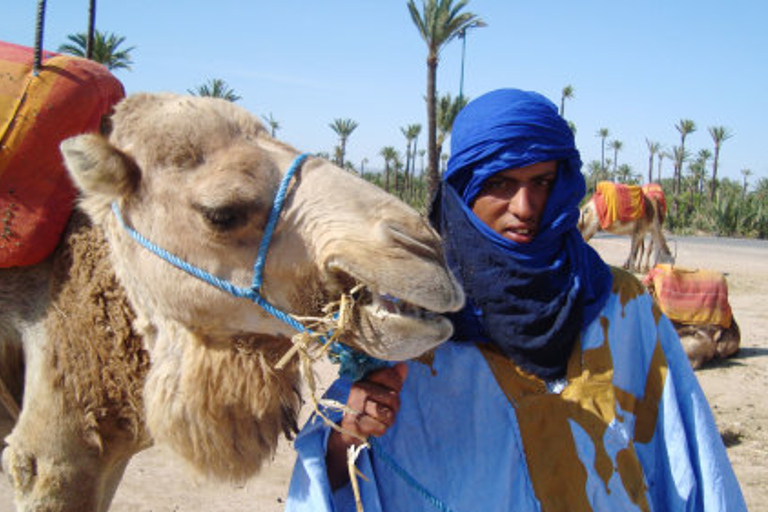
(628, 429)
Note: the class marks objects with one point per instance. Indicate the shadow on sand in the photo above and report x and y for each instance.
(736, 359)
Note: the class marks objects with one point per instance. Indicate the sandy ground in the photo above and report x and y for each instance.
(157, 481)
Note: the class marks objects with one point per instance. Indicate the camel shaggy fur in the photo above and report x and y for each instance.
(651, 222)
(120, 349)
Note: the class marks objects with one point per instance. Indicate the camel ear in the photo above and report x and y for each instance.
(98, 168)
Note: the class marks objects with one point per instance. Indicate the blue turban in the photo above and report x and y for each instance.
(531, 300)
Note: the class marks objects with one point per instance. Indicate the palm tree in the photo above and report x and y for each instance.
(624, 174)
(105, 49)
(662, 156)
(653, 148)
(746, 173)
(616, 146)
(91, 29)
(439, 22)
(566, 95)
(215, 88)
(343, 128)
(273, 123)
(411, 134)
(389, 154)
(594, 175)
(603, 133)
(447, 110)
(719, 135)
(703, 156)
(679, 155)
(698, 170)
(685, 127)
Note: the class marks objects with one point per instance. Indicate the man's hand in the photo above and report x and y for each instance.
(376, 402)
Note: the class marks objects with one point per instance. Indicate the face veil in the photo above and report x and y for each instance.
(533, 299)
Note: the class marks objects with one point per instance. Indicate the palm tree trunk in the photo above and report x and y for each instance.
(91, 29)
(602, 155)
(39, 37)
(407, 165)
(658, 169)
(432, 169)
(650, 168)
(713, 185)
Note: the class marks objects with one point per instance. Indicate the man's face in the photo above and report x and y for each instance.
(512, 202)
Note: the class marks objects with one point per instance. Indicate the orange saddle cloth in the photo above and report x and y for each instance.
(67, 97)
(616, 202)
(692, 297)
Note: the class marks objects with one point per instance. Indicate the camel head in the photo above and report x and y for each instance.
(197, 177)
(589, 222)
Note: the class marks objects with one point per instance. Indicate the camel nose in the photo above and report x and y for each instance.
(416, 237)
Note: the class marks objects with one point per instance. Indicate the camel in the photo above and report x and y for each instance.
(696, 302)
(647, 217)
(109, 348)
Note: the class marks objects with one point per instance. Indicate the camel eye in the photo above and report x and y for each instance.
(224, 218)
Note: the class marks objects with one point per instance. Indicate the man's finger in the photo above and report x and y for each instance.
(392, 378)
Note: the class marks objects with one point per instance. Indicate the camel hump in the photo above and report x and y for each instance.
(655, 193)
(67, 97)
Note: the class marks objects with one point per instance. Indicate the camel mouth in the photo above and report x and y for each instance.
(384, 306)
(379, 303)
(387, 326)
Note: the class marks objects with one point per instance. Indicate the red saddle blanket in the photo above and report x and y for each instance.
(691, 297)
(68, 96)
(616, 202)
(654, 192)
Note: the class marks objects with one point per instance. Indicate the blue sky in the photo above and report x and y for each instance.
(637, 68)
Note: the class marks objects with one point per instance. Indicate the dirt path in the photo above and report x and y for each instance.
(735, 387)
(157, 481)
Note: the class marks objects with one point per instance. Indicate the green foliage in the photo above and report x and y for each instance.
(105, 49)
(343, 128)
(215, 88)
(734, 212)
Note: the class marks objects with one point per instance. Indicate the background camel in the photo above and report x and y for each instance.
(628, 210)
(696, 302)
(121, 349)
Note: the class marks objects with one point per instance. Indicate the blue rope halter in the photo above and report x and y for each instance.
(254, 292)
(352, 364)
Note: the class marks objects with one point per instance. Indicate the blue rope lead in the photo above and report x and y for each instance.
(402, 473)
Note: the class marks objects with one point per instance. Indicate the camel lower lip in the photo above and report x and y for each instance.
(389, 305)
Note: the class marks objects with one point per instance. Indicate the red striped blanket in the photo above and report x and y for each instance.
(692, 297)
(69, 96)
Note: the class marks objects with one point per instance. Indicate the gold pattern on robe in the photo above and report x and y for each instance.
(590, 401)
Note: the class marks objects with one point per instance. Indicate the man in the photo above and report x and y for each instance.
(564, 388)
